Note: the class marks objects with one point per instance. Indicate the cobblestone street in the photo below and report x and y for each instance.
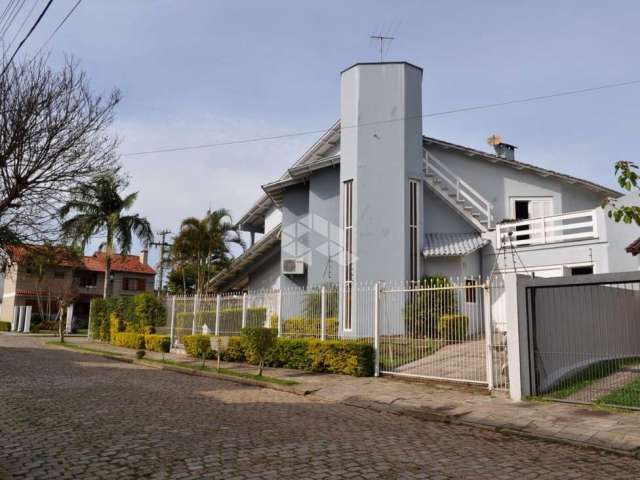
(68, 415)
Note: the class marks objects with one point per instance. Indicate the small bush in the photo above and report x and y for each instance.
(157, 343)
(299, 326)
(116, 325)
(128, 340)
(453, 327)
(198, 345)
(288, 353)
(341, 356)
(259, 342)
(235, 351)
(5, 326)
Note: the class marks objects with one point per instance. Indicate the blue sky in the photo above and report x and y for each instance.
(203, 71)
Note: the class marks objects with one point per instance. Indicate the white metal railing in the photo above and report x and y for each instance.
(463, 191)
(573, 226)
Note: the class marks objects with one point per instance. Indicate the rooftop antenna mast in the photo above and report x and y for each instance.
(381, 39)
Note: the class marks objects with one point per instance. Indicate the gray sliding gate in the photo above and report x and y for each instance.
(584, 338)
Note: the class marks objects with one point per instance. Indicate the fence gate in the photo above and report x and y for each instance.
(444, 331)
(585, 338)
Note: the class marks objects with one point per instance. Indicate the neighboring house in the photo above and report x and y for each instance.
(130, 274)
(382, 202)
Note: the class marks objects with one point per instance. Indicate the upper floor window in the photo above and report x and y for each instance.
(414, 235)
(135, 284)
(524, 208)
(348, 253)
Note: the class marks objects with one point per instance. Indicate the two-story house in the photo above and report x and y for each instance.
(81, 279)
(375, 200)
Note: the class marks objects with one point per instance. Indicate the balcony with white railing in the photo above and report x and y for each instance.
(568, 227)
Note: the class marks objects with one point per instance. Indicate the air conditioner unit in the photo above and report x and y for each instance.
(292, 266)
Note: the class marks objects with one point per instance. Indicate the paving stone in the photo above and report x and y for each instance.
(69, 415)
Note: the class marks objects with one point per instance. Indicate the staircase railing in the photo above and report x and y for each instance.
(463, 191)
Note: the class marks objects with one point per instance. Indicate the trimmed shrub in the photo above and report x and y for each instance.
(128, 340)
(5, 326)
(157, 343)
(116, 325)
(288, 353)
(299, 326)
(149, 312)
(197, 345)
(341, 356)
(141, 313)
(259, 342)
(453, 327)
(235, 351)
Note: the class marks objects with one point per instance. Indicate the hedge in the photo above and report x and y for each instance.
(157, 343)
(5, 326)
(129, 340)
(453, 326)
(347, 357)
(197, 345)
(140, 313)
(230, 319)
(310, 326)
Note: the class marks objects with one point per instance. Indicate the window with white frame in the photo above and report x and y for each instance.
(348, 254)
(414, 234)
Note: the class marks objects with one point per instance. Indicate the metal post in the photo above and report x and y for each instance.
(217, 328)
(488, 332)
(244, 309)
(376, 329)
(195, 314)
(279, 313)
(172, 328)
(323, 314)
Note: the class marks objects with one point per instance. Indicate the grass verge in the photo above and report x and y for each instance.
(191, 366)
(627, 396)
(227, 371)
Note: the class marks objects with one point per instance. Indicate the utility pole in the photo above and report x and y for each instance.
(163, 248)
(381, 39)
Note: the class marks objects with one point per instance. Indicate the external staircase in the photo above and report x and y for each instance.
(458, 193)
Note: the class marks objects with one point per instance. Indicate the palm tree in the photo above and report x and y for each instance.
(98, 208)
(204, 245)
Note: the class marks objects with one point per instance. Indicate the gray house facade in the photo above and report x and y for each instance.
(375, 200)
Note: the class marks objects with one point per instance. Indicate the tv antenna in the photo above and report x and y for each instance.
(381, 39)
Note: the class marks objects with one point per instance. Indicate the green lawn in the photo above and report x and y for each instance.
(587, 376)
(627, 396)
(75, 346)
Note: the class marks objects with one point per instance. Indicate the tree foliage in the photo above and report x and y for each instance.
(53, 136)
(203, 247)
(98, 207)
(627, 173)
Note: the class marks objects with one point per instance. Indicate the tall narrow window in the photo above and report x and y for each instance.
(348, 253)
(414, 253)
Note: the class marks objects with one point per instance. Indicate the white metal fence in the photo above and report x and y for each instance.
(448, 329)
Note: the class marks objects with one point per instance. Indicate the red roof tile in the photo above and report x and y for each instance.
(94, 263)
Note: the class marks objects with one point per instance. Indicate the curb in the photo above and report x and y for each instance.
(422, 413)
(429, 415)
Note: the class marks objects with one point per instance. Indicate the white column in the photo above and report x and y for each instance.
(69, 325)
(23, 311)
(323, 314)
(218, 302)
(513, 335)
(14, 319)
(27, 320)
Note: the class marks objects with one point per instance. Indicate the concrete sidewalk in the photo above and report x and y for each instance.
(614, 430)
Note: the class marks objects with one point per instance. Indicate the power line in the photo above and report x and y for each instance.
(11, 18)
(434, 114)
(26, 18)
(33, 27)
(66, 17)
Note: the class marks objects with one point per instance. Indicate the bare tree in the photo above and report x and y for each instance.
(53, 137)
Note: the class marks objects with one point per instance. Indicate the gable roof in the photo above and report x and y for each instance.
(94, 263)
(313, 160)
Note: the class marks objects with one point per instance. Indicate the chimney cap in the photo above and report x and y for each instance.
(358, 64)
